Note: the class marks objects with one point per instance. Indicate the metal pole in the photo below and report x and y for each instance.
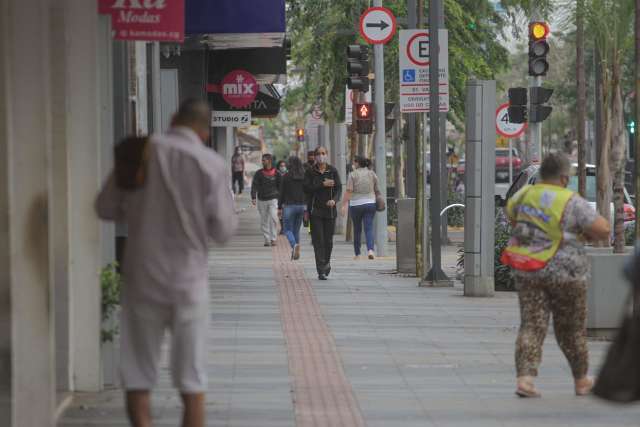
(436, 276)
(380, 149)
(510, 162)
(442, 117)
(410, 166)
(155, 88)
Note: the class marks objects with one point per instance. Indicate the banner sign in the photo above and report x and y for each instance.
(145, 20)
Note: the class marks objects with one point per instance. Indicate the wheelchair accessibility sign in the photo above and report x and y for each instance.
(408, 76)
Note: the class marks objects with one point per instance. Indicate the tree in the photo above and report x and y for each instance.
(610, 22)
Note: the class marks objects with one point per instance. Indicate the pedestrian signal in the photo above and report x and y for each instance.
(517, 111)
(364, 118)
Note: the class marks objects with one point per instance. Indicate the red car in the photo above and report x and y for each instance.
(502, 164)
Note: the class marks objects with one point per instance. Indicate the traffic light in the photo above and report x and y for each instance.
(364, 118)
(537, 111)
(538, 49)
(300, 134)
(358, 67)
(632, 127)
(518, 105)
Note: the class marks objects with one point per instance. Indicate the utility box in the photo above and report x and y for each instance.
(406, 236)
(479, 183)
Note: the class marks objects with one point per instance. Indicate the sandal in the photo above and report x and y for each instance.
(583, 386)
(525, 387)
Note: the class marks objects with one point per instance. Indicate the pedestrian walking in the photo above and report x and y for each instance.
(323, 187)
(360, 199)
(264, 194)
(237, 170)
(550, 269)
(282, 172)
(292, 204)
(179, 200)
(308, 165)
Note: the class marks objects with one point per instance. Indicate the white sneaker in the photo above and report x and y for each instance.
(370, 254)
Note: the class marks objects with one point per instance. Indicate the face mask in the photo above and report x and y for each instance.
(322, 158)
(283, 169)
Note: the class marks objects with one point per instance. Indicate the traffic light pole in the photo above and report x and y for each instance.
(436, 276)
(535, 129)
(380, 149)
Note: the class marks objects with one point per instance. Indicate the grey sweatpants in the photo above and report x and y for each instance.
(268, 210)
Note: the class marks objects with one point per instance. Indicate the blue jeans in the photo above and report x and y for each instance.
(362, 214)
(292, 218)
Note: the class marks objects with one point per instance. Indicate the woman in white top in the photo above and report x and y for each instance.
(360, 196)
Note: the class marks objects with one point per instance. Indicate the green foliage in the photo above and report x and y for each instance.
(111, 284)
(502, 273)
(503, 277)
(322, 29)
(455, 216)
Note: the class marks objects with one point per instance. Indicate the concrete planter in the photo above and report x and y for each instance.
(607, 291)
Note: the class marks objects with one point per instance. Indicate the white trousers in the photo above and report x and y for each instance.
(269, 221)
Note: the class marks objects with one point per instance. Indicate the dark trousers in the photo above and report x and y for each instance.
(239, 178)
(322, 236)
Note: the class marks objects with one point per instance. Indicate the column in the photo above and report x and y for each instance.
(27, 378)
(84, 136)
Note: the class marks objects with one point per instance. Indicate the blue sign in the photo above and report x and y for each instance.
(234, 16)
(408, 76)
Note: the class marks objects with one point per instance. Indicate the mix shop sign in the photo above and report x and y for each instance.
(147, 20)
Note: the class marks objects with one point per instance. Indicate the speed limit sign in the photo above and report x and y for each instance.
(504, 127)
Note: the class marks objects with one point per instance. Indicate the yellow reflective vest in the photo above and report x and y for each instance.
(541, 206)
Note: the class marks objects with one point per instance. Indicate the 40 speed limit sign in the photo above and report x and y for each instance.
(504, 127)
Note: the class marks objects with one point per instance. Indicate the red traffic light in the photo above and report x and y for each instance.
(538, 31)
(363, 110)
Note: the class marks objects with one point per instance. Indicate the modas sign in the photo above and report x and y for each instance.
(145, 20)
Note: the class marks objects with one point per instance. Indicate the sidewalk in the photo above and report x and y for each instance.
(366, 347)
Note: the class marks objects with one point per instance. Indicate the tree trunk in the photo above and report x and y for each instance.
(618, 151)
(603, 175)
(582, 98)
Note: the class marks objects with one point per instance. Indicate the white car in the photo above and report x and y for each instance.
(531, 174)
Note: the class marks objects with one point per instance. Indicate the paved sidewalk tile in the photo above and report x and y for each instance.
(398, 355)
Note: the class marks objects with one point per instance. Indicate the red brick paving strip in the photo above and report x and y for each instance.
(322, 395)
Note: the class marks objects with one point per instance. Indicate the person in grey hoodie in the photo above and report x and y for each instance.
(181, 201)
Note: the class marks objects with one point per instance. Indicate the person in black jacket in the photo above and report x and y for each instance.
(323, 187)
(265, 188)
(292, 204)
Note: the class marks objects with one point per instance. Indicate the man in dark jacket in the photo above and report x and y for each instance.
(324, 189)
(264, 194)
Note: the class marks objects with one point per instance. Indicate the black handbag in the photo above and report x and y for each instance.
(619, 378)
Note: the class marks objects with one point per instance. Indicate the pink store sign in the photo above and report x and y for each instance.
(239, 88)
(145, 20)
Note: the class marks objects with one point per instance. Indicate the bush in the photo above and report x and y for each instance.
(111, 284)
(630, 235)
(455, 216)
(503, 277)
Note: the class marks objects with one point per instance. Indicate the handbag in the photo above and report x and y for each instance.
(131, 156)
(380, 202)
(619, 377)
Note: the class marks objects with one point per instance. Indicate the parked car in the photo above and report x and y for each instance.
(502, 164)
(532, 174)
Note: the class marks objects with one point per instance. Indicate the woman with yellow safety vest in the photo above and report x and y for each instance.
(550, 269)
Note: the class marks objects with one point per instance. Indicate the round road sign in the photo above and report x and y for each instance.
(504, 127)
(377, 25)
(239, 88)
